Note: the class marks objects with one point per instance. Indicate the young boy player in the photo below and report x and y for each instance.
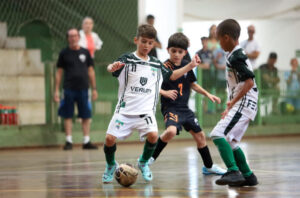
(140, 77)
(241, 108)
(174, 105)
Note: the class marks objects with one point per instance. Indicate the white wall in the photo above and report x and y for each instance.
(168, 18)
(281, 36)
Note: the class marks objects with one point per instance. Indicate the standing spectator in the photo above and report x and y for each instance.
(270, 80)
(89, 39)
(292, 79)
(157, 44)
(76, 64)
(212, 42)
(219, 62)
(251, 46)
(208, 75)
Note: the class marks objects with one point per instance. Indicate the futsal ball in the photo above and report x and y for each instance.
(126, 174)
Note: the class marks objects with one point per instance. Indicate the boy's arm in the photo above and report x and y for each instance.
(246, 87)
(197, 88)
(172, 94)
(115, 66)
(180, 72)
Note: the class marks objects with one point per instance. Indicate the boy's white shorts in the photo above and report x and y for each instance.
(121, 126)
(232, 127)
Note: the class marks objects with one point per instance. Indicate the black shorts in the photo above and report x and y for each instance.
(181, 117)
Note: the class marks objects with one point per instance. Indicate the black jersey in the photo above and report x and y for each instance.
(182, 85)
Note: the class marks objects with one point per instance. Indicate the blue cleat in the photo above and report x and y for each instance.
(215, 169)
(108, 174)
(146, 172)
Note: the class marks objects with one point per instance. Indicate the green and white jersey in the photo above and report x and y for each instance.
(139, 84)
(238, 70)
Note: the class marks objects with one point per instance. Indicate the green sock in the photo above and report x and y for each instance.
(148, 151)
(241, 162)
(110, 154)
(226, 153)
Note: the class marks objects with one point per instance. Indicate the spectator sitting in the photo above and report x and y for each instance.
(89, 39)
(251, 46)
(270, 80)
(293, 84)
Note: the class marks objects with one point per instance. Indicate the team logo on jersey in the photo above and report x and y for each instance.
(143, 80)
(82, 57)
(154, 70)
(119, 124)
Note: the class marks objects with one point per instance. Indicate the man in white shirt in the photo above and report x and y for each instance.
(251, 47)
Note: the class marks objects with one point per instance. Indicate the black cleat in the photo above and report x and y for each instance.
(249, 181)
(68, 146)
(231, 178)
(90, 146)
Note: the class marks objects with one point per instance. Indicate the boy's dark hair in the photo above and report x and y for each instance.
(230, 27)
(150, 16)
(204, 38)
(147, 31)
(273, 55)
(178, 40)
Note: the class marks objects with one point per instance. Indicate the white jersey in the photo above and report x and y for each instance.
(139, 84)
(238, 70)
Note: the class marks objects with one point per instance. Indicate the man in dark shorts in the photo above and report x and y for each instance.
(77, 67)
(174, 105)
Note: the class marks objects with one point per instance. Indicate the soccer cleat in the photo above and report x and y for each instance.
(249, 181)
(108, 174)
(232, 178)
(215, 169)
(151, 161)
(68, 146)
(146, 172)
(89, 146)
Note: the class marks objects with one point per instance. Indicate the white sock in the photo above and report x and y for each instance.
(69, 138)
(86, 139)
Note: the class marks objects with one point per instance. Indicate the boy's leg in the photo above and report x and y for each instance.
(111, 165)
(208, 168)
(147, 153)
(163, 140)
(250, 178)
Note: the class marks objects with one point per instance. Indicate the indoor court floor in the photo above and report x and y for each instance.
(54, 173)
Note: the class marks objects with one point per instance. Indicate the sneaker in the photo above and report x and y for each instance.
(215, 169)
(108, 174)
(146, 172)
(68, 146)
(232, 178)
(89, 145)
(249, 181)
(151, 161)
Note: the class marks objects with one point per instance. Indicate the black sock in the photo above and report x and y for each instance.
(206, 158)
(159, 147)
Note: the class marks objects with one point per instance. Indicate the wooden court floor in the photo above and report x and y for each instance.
(53, 173)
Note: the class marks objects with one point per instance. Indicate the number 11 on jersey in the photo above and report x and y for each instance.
(180, 88)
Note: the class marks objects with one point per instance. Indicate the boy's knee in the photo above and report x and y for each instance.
(110, 140)
(170, 132)
(152, 137)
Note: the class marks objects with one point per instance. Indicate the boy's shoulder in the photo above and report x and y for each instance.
(238, 54)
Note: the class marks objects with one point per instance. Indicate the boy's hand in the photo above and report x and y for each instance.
(229, 106)
(172, 94)
(115, 66)
(214, 98)
(195, 61)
